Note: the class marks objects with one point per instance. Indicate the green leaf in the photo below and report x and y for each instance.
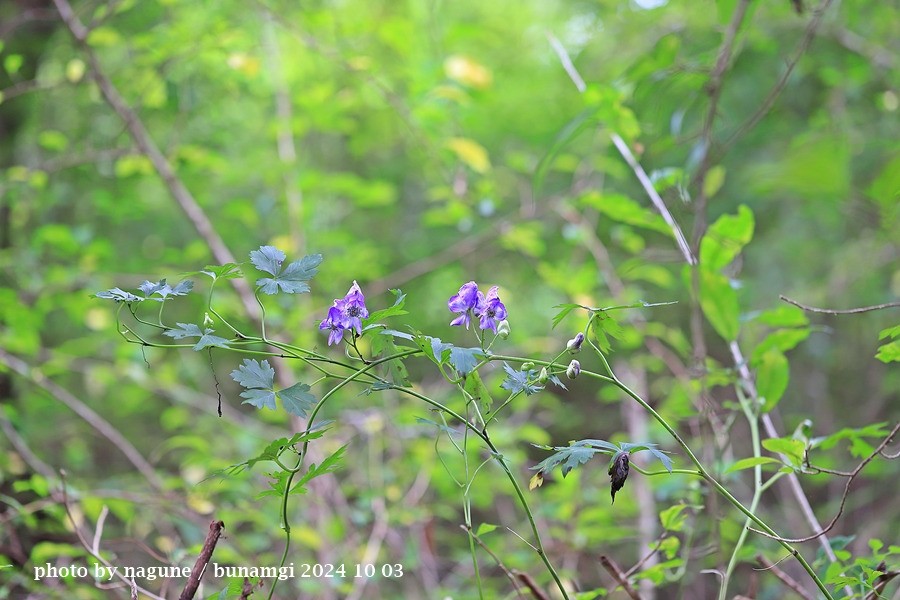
(254, 374)
(464, 360)
(889, 352)
(783, 316)
(391, 311)
(226, 271)
(672, 518)
(164, 290)
(186, 330)
(725, 239)
(297, 400)
(781, 340)
(570, 457)
(520, 381)
(623, 209)
(484, 528)
(747, 463)
(268, 259)
(475, 387)
(772, 377)
(329, 465)
(790, 448)
(259, 398)
(383, 345)
(603, 326)
(562, 314)
(118, 295)
(292, 279)
(719, 302)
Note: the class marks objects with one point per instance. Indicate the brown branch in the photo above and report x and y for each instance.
(776, 90)
(784, 577)
(89, 549)
(845, 311)
(148, 148)
(714, 89)
(212, 538)
(532, 585)
(101, 425)
(619, 576)
(512, 575)
(851, 477)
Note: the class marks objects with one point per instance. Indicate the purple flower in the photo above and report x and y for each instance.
(335, 323)
(353, 306)
(346, 313)
(464, 302)
(490, 310)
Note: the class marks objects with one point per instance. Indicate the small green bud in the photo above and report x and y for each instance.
(544, 376)
(574, 345)
(527, 366)
(503, 329)
(573, 369)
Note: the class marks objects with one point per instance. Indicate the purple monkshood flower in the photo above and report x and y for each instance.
(464, 302)
(469, 301)
(335, 324)
(346, 313)
(353, 305)
(490, 310)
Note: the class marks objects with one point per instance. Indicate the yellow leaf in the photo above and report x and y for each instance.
(470, 152)
(715, 178)
(468, 72)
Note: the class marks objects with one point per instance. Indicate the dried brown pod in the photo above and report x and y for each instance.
(618, 473)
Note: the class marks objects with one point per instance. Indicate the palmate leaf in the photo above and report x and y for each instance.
(564, 312)
(119, 295)
(464, 360)
(329, 465)
(569, 457)
(520, 381)
(254, 374)
(259, 398)
(297, 400)
(164, 290)
(186, 330)
(226, 271)
(392, 311)
(293, 279)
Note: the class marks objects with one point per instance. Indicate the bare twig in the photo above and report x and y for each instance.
(148, 147)
(852, 476)
(101, 425)
(97, 556)
(714, 89)
(373, 546)
(212, 538)
(532, 585)
(784, 577)
(629, 157)
(613, 569)
(512, 575)
(845, 311)
(776, 90)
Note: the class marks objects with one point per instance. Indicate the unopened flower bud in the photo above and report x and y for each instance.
(573, 369)
(574, 345)
(544, 376)
(527, 366)
(503, 329)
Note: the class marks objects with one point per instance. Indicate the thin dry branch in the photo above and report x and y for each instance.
(851, 476)
(101, 425)
(89, 548)
(776, 90)
(845, 311)
(529, 582)
(613, 569)
(784, 577)
(148, 148)
(212, 538)
(510, 574)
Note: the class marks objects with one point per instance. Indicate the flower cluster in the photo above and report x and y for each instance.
(469, 301)
(346, 313)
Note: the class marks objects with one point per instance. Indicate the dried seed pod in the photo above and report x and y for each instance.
(618, 473)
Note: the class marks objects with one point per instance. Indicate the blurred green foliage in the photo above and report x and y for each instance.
(420, 145)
